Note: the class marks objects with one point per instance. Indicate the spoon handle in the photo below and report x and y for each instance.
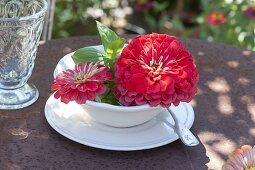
(186, 136)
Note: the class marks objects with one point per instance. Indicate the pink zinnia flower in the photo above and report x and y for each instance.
(250, 11)
(155, 69)
(241, 159)
(216, 18)
(81, 84)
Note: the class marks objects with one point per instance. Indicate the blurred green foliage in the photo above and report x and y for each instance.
(68, 18)
(237, 30)
(178, 17)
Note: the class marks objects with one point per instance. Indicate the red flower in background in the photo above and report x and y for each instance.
(155, 69)
(81, 84)
(143, 5)
(216, 18)
(250, 11)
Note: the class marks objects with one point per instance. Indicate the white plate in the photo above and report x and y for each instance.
(70, 121)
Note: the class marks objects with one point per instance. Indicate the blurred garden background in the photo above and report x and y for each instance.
(227, 21)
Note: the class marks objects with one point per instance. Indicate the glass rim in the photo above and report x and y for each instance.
(29, 17)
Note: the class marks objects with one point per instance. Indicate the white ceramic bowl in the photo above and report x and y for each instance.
(120, 116)
(117, 116)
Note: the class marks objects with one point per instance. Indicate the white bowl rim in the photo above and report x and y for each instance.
(120, 108)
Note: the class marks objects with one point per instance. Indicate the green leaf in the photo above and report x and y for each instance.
(108, 97)
(87, 54)
(177, 23)
(160, 6)
(112, 43)
(151, 21)
(107, 35)
(113, 50)
(163, 20)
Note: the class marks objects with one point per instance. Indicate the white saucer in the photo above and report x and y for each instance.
(70, 121)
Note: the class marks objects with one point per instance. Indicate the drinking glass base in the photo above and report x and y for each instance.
(18, 98)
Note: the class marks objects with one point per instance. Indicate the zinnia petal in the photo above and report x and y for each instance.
(82, 83)
(81, 98)
(242, 158)
(248, 155)
(158, 67)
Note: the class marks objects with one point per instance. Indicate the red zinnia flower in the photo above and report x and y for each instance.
(155, 69)
(81, 84)
(216, 18)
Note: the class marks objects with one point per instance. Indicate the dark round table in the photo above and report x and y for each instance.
(224, 117)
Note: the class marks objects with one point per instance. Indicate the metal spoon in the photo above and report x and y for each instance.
(186, 136)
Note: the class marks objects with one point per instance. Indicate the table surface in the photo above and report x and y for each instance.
(224, 110)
